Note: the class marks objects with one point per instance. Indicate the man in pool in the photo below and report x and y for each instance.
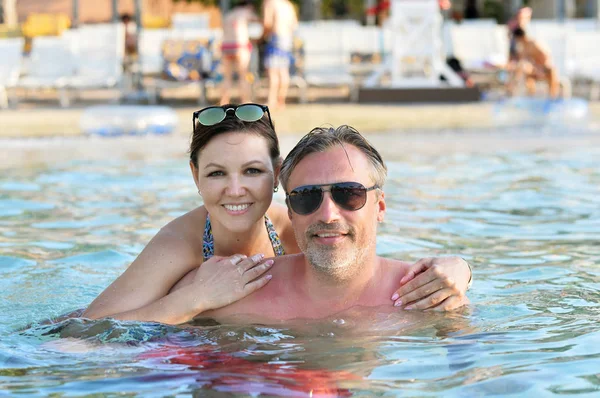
(333, 181)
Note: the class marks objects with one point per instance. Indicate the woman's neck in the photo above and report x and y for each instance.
(249, 242)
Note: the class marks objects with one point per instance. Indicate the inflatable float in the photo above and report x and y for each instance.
(527, 110)
(117, 120)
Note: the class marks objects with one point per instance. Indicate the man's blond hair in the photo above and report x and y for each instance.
(321, 139)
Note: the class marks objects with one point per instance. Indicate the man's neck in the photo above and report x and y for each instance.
(343, 288)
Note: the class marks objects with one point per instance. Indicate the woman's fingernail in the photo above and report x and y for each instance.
(410, 307)
(398, 303)
(269, 276)
(395, 296)
(269, 262)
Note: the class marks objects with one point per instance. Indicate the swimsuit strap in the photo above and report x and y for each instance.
(208, 241)
(275, 241)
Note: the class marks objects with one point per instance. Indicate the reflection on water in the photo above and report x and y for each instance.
(528, 221)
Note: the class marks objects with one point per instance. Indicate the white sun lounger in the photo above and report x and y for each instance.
(51, 66)
(10, 67)
(326, 60)
(152, 63)
(100, 51)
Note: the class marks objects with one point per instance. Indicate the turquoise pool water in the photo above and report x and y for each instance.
(528, 219)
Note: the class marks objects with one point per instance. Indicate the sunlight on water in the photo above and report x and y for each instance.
(529, 221)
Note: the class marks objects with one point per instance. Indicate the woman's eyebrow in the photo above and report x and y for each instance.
(212, 164)
(251, 162)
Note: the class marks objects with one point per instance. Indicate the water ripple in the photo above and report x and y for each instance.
(527, 220)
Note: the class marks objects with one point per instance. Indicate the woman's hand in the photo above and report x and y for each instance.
(435, 283)
(223, 280)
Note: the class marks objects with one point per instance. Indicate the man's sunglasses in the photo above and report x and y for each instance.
(347, 195)
(216, 114)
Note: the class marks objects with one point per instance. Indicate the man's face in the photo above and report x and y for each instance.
(335, 240)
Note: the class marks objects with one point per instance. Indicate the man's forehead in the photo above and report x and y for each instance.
(335, 164)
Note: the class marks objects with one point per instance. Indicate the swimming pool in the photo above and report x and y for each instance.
(523, 207)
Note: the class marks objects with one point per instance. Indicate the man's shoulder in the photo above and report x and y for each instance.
(284, 262)
(394, 266)
(393, 262)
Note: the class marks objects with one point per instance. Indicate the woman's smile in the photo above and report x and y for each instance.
(237, 209)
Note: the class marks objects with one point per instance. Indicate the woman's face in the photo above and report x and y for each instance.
(236, 177)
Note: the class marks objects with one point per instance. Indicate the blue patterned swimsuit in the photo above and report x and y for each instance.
(208, 242)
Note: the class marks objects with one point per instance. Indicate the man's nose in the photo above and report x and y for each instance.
(328, 211)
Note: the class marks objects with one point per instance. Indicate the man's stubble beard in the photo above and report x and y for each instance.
(339, 262)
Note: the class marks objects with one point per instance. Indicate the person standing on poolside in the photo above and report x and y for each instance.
(211, 256)
(279, 23)
(236, 50)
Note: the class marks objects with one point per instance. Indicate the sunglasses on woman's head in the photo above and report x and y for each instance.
(216, 114)
(348, 195)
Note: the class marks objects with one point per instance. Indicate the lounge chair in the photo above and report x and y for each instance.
(584, 64)
(52, 64)
(172, 53)
(190, 21)
(326, 59)
(100, 52)
(10, 67)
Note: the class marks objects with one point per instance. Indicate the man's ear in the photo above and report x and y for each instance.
(194, 170)
(381, 206)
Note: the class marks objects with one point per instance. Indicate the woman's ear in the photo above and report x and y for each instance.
(194, 170)
(276, 170)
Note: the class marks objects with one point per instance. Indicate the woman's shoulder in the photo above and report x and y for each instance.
(189, 226)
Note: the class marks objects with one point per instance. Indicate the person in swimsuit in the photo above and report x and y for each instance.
(279, 23)
(520, 20)
(236, 49)
(533, 63)
(215, 254)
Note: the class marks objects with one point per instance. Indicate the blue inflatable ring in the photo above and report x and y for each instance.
(117, 120)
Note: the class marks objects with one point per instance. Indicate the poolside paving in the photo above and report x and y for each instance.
(39, 132)
(51, 121)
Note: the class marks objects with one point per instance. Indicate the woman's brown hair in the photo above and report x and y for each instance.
(262, 127)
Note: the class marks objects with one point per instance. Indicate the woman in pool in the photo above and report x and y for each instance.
(198, 260)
